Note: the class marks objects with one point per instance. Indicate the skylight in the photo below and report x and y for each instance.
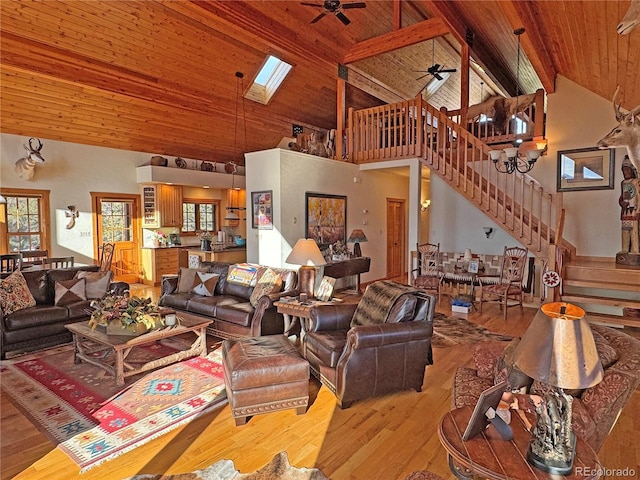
(268, 80)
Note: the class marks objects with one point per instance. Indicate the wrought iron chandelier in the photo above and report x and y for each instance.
(509, 159)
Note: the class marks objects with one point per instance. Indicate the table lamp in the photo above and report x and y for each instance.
(356, 237)
(557, 349)
(306, 254)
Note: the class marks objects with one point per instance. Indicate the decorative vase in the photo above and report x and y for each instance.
(115, 327)
(205, 245)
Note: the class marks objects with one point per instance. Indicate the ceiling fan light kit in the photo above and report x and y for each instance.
(334, 7)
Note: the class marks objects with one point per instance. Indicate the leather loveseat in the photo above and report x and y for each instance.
(230, 309)
(387, 352)
(42, 325)
(595, 409)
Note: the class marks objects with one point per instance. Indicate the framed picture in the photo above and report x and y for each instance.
(585, 169)
(325, 289)
(490, 398)
(326, 218)
(473, 266)
(262, 210)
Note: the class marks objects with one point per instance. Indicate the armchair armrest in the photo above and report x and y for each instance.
(331, 317)
(372, 336)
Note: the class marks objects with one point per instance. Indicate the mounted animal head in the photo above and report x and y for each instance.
(631, 19)
(626, 133)
(26, 166)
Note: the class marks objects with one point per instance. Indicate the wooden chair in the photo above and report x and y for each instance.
(33, 257)
(106, 256)
(509, 286)
(57, 262)
(429, 274)
(10, 262)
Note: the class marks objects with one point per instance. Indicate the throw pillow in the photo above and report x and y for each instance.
(70, 291)
(96, 283)
(186, 277)
(205, 283)
(15, 294)
(269, 282)
(245, 274)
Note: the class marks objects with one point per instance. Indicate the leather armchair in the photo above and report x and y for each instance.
(361, 361)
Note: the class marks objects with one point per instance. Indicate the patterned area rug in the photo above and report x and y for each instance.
(449, 331)
(75, 406)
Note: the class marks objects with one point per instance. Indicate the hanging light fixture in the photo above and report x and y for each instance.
(509, 159)
(232, 166)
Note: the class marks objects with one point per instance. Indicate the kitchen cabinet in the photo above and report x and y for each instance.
(150, 206)
(157, 262)
(170, 206)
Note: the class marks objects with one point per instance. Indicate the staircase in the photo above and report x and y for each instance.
(609, 293)
(415, 129)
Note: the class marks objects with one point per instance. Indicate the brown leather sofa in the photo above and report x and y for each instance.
(232, 314)
(595, 409)
(361, 361)
(42, 326)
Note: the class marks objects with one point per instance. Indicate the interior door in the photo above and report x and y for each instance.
(117, 221)
(396, 222)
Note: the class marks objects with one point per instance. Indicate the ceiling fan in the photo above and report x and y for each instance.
(435, 69)
(335, 7)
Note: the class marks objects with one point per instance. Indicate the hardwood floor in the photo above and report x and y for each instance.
(384, 438)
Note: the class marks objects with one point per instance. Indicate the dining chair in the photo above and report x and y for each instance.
(429, 274)
(57, 262)
(509, 285)
(33, 257)
(10, 262)
(106, 256)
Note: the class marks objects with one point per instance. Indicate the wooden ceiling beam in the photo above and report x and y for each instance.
(396, 39)
(357, 78)
(520, 14)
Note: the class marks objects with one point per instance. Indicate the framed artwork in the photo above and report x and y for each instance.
(473, 266)
(489, 399)
(262, 210)
(325, 289)
(326, 218)
(585, 169)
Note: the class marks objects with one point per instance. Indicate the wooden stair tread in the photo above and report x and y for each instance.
(613, 319)
(600, 285)
(593, 299)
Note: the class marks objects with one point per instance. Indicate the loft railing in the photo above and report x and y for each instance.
(414, 128)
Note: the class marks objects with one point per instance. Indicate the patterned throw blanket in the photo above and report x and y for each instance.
(377, 302)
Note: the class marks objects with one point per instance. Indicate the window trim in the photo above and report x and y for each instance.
(45, 210)
(263, 93)
(197, 201)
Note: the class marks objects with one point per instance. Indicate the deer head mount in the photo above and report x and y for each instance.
(626, 133)
(26, 166)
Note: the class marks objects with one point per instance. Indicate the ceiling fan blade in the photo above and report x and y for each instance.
(318, 17)
(354, 5)
(447, 70)
(438, 76)
(343, 18)
(420, 78)
(307, 4)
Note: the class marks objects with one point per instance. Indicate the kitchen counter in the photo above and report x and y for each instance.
(230, 254)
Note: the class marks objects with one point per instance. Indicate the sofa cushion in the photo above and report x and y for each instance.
(79, 309)
(205, 283)
(326, 346)
(179, 301)
(70, 291)
(187, 278)
(15, 294)
(222, 269)
(35, 316)
(245, 274)
(467, 387)
(37, 283)
(269, 282)
(97, 283)
(485, 357)
(239, 291)
(233, 311)
(608, 355)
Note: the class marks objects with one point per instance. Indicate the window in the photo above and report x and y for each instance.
(200, 215)
(117, 221)
(26, 220)
(268, 80)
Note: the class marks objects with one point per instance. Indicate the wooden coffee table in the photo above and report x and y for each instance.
(489, 456)
(88, 342)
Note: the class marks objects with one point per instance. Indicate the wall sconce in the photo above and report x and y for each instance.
(487, 231)
(424, 205)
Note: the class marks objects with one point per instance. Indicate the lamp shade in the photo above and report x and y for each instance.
(306, 252)
(231, 215)
(357, 236)
(558, 348)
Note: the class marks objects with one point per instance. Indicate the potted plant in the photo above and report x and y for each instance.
(125, 315)
(205, 240)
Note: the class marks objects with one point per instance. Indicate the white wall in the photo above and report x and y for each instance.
(290, 174)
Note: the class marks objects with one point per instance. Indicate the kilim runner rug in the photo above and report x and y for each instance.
(73, 404)
(449, 331)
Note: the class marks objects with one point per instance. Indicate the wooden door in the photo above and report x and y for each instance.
(396, 237)
(116, 220)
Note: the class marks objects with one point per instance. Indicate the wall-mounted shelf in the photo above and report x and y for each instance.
(183, 176)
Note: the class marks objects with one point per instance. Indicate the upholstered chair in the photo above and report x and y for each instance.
(374, 347)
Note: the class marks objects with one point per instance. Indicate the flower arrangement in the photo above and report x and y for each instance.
(129, 311)
(159, 235)
(206, 235)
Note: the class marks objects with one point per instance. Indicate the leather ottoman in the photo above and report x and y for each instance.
(264, 374)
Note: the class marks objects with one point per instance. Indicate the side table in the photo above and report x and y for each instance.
(293, 312)
(487, 455)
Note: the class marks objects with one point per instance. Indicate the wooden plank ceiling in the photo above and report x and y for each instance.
(159, 76)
